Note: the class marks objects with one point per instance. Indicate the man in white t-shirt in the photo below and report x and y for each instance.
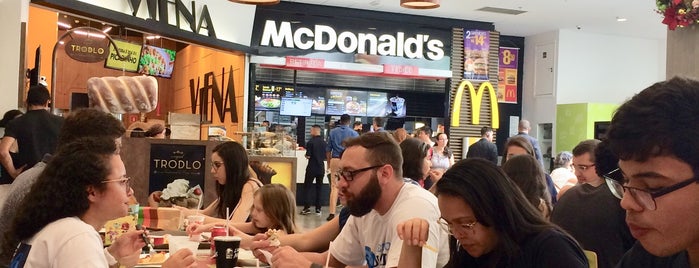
(371, 182)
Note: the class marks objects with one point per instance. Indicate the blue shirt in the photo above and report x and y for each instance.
(335, 138)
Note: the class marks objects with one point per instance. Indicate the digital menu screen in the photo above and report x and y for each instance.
(295, 106)
(346, 102)
(268, 97)
(376, 104)
(317, 96)
(156, 61)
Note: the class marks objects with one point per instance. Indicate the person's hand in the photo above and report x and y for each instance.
(287, 256)
(436, 174)
(182, 258)
(185, 211)
(414, 232)
(259, 241)
(245, 239)
(127, 244)
(195, 228)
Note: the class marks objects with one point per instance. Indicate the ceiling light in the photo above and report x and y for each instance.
(256, 2)
(89, 34)
(620, 19)
(107, 29)
(153, 37)
(419, 4)
(64, 25)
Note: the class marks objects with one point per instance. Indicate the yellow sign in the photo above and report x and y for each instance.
(476, 98)
(131, 52)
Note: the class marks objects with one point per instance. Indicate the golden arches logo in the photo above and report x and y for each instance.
(476, 98)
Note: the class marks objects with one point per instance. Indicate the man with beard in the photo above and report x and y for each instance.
(371, 182)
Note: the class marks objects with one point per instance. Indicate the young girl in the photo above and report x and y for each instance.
(274, 207)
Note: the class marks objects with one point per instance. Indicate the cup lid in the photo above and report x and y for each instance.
(227, 238)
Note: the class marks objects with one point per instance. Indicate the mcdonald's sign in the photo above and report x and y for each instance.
(476, 98)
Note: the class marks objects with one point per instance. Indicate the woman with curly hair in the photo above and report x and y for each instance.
(235, 184)
(492, 224)
(81, 188)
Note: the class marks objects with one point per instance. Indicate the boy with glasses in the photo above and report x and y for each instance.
(654, 134)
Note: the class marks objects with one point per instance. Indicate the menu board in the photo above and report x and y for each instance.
(268, 97)
(156, 61)
(317, 96)
(376, 104)
(296, 106)
(349, 102)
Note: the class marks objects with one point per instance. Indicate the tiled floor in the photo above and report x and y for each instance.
(311, 221)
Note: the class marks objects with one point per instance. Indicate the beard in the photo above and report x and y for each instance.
(361, 204)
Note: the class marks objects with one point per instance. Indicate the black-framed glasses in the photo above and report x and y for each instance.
(125, 182)
(583, 167)
(348, 175)
(644, 197)
(450, 228)
(216, 164)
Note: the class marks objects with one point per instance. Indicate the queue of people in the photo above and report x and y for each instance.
(631, 203)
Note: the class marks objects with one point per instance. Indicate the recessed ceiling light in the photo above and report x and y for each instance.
(620, 19)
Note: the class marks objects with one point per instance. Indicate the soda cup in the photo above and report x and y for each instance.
(218, 230)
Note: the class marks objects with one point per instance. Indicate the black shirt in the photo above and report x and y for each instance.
(637, 256)
(36, 133)
(594, 217)
(550, 248)
(315, 150)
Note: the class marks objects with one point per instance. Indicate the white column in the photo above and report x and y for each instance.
(15, 13)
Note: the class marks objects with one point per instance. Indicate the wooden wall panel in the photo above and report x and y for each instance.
(193, 63)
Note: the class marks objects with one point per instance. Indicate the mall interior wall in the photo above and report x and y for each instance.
(576, 122)
(587, 68)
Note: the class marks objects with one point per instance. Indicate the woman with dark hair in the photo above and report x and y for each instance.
(526, 172)
(416, 161)
(235, 185)
(156, 131)
(81, 188)
(492, 224)
(443, 157)
(517, 145)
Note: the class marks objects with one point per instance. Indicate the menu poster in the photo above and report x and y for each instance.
(355, 103)
(169, 162)
(507, 75)
(130, 52)
(268, 97)
(336, 102)
(476, 47)
(317, 96)
(376, 104)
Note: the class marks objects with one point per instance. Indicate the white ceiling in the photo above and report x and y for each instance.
(593, 16)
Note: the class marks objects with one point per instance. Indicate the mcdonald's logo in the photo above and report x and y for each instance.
(476, 98)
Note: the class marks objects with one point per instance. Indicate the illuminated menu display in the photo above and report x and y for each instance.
(376, 104)
(349, 102)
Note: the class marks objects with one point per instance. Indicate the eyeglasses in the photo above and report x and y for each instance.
(125, 181)
(451, 228)
(216, 165)
(349, 175)
(583, 167)
(644, 197)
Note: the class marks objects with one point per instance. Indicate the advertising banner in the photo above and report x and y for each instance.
(131, 52)
(169, 162)
(476, 47)
(507, 75)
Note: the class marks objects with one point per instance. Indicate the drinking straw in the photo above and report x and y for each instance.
(327, 258)
(228, 219)
(433, 249)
